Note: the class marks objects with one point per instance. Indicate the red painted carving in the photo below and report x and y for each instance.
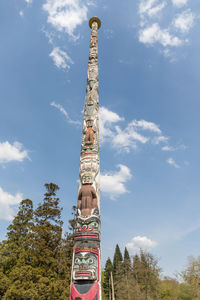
(90, 295)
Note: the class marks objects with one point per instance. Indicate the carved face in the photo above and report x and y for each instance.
(89, 123)
(87, 179)
(85, 264)
(87, 229)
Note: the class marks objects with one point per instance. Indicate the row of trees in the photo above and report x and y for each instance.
(139, 278)
(36, 257)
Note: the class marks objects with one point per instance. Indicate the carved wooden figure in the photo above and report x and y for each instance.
(87, 200)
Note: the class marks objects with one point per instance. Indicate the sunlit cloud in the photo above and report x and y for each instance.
(172, 162)
(12, 152)
(113, 183)
(61, 59)
(141, 242)
(8, 203)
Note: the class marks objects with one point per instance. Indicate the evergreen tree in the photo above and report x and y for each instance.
(35, 261)
(48, 246)
(127, 262)
(117, 260)
(16, 251)
(118, 271)
(107, 278)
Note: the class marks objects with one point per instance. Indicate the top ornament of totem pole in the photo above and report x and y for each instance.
(95, 19)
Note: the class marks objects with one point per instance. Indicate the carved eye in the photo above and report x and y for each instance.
(77, 260)
(95, 225)
(90, 260)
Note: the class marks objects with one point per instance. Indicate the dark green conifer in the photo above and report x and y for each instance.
(127, 262)
(16, 253)
(107, 278)
(117, 260)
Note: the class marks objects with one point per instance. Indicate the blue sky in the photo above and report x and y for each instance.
(149, 76)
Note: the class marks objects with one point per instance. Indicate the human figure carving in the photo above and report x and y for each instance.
(89, 135)
(87, 199)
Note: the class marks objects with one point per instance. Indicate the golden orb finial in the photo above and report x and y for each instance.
(95, 19)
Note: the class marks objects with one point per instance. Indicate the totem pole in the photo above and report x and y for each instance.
(86, 265)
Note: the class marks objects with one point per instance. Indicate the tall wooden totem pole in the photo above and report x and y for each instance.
(86, 265)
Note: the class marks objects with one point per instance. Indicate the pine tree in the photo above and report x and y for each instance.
(35, 261)
(48, 246)
(67, 250)
(17, 253)
(117, 260)
(107, 283)
(127, 262)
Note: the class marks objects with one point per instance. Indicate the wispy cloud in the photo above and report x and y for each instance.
(170, 148)
(184, 21)
(65, 113)
(154, 34)
(28, 1)
(136, 132)
(8, 203)
(61, 59)
(144, 125)
(133, 135)
(66, 15)
(150, 7)
(160, 139)
(179, 3)
(141, 242)
(113, 183)
(156, 29)
(107, 118)
(9, 152)
(172, 162)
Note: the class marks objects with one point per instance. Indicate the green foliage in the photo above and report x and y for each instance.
(107, 278)
(139, 279)
(117, 260)
(191, 277)
(35, 259)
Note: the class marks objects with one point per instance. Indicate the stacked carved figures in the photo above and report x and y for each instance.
(86, 267)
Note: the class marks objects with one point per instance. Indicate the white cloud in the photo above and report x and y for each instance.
(8, 203)
(113, 183)
(168, 148)
(154, 34)
(106, 118)
(160, 139)
(137, 131)
(127, 138)
(141, 242)
(150, 7)
(28, 1)
(21, 13)
(66, 15)
(61, 59)
(164, 33)
(144, 125)
(9, 152)
(64, 112)
(172, 162)
(179, 3)
(184, 21)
